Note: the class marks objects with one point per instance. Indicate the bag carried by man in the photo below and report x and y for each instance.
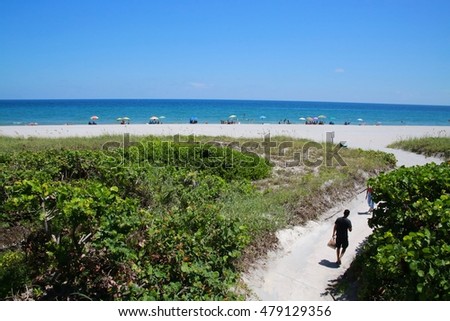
(332, 243)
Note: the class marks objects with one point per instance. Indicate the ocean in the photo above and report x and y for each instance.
(139, 111)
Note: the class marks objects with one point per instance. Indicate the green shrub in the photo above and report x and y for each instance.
(13, 273)
(103, 227)
(408, 255)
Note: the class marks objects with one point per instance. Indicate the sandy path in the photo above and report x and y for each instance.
(302, 267)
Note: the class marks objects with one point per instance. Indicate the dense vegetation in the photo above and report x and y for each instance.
(154, 221)
(123, 225)
(428, 146)
(408, 255)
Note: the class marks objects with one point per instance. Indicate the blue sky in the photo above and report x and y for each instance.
(386, 51)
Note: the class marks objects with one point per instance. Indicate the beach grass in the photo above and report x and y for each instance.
(428, 146)
(33, 144)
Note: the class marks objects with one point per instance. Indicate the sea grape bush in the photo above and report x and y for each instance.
(408, 255)
(104, 229)
(209, 157)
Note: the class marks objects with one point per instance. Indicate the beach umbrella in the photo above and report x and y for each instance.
(119, 119)
(263, 117)
(126, 118)
(94, 117)
(162, 117)
(309, 118)
(360, 119)
(154, 118)
(302, 118)
(232, 116)
(321, 116)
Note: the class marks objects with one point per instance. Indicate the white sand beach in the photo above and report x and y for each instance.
(301, 268)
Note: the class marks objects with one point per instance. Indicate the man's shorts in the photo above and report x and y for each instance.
(341, 243)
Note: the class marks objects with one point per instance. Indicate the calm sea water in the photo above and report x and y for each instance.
(55, 112)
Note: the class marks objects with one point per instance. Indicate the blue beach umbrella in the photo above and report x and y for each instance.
(263, 117)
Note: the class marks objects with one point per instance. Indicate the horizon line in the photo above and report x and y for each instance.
(233, 99)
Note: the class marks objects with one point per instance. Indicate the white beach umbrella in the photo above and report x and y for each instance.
(232, 116)
(360, 119)
(154, 118)
(94, 117)
(302, 118)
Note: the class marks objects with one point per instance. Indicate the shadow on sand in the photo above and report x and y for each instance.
(345, 287)
(328, 264)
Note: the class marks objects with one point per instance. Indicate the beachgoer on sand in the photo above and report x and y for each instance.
(340, 231)
(369, 199)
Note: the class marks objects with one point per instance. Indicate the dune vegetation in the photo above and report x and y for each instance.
(428, 146)
(115, 218)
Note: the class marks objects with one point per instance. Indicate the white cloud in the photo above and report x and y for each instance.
(199, 85)
(339, 70)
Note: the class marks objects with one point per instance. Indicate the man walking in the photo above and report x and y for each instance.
(340, 231)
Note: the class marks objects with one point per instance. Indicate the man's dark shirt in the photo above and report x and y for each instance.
(342, 226)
